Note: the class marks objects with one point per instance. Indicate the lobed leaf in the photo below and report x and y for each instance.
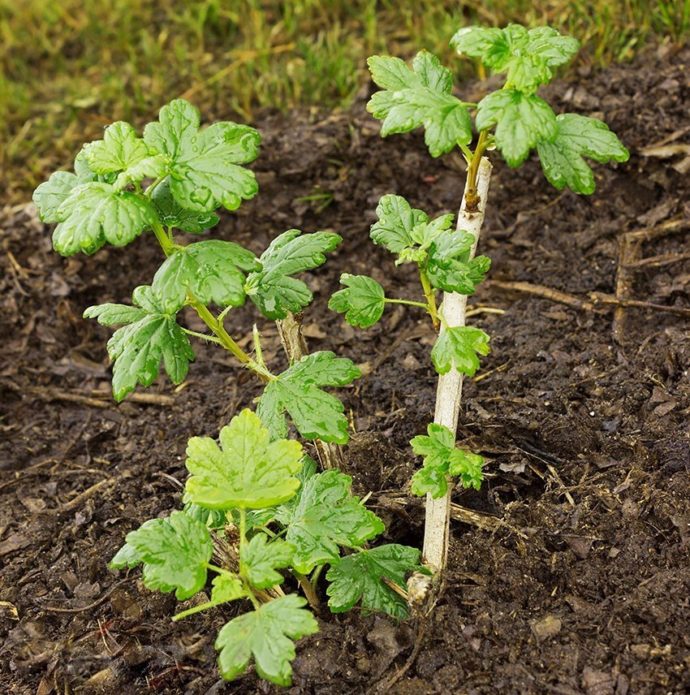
(326, 516)
(297, 392)
(247, 471)
(359, 578)
(396, 221)
(449, 265)
(174, 551)
(267, 635)
(416, 97)
(260, 558)
(577, 137)
(273, 289)
(362, 301)
(458, 348)
(172, 214)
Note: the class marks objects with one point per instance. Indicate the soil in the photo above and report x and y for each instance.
(578, 582)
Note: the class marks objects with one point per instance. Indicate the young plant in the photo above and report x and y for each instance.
(256, 501)
(515, 121)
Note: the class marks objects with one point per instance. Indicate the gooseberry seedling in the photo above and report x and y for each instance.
(515, 121)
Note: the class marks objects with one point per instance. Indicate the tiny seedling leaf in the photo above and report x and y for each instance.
(528, 57)
(260, 558)
(95, 213)
(204, 164)
(458, 348)
(151, 335)
(577, 137)
(298, 391)
(442, 458)
(419, 96)
(247, 471)
(362, 301)
(266, 634)
(359, 578)
(327, 515)
(212, 271)
(175, 552)
(273, 289)
(521, 120)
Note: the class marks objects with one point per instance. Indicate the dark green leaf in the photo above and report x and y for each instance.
(419, 96)
(297, 391)
(151, 335)
(449, 265)
(272, 288)
(204, 163)
(247, 471)
(360, 578)
(326, 517)
(172, 214)
(266, 634)
(362, 302)
(213, 271)
(562, 158)
(175, 552)
(396, 220)
(458, 348)
(521, 122)
(260, 558)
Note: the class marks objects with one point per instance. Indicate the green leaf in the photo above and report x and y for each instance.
(204, 163)
(521, 122)
(172, 214)
(119, 150)
(421, 96)
(449, 265)
(442, 459)
(213, 271)
(297, 391)
(260, 558)
(51, 194)
(248, 471)
(327, 516)
(528, 57)
(362, 302)
(268, 635)
(175, 552)
(457, 348)
(151, 335)
(562, 158)
(272, 288)
(396, 221)
(95, 213)
(360, 578)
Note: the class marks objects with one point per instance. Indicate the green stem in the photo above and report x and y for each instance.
(407, 302)
(308, 589)
(163, 239)
(471, 197)
(203, 336)
(430, 295)
(257, 346)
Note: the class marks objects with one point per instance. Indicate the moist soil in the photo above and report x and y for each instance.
(573, 576)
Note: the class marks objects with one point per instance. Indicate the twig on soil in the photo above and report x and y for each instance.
(95, 604)
(82, 497)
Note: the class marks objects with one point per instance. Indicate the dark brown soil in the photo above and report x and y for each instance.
(585, 587)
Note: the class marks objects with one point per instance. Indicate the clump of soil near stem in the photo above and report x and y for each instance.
(578, 582)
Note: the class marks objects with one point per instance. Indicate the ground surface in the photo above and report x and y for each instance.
(583, 589)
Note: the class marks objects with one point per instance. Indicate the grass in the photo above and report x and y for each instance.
(68, 68)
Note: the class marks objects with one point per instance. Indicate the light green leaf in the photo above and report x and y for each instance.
(419, 96)
(266, 634)
(172, 214)
(396, 220)
(272, 288)
(151, 335)
(528, 57)
(521, 122)
(51, 194)
(175, 552)
(441, 459)
(360, 578)
(327, 516)
(213, 271)
(247, 471)
(362, 302)
(96, 213)
(562, 158)
(297, 391)
(260, 558)
(449, 266)
(204, 163)
(119, 150)
(457, 348)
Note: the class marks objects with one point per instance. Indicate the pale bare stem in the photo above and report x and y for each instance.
(295, 347)
(449, 392)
